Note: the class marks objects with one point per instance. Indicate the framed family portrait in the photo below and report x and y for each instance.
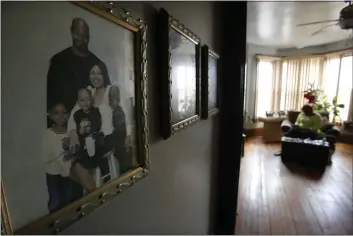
(179, 74)
(209, 82)
(75, 130)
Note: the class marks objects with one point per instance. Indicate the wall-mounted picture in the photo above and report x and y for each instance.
(209, 82)
(75, 129)
(179, 74)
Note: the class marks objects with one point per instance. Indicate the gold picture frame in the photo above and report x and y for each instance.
(59, 220)
(172, 32)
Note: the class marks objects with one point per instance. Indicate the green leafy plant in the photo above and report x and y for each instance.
(322, 104)
(247, 118)
(336, 108)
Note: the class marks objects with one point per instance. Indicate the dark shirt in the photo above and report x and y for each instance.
(67, 73)
(91, 118)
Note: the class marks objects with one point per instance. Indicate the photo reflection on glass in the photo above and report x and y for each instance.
(212, 83)
(183, 75)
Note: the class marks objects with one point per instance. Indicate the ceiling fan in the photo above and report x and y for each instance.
(345, 20)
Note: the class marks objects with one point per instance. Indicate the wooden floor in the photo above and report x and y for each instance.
(273, 200)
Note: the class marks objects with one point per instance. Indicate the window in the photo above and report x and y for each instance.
(264, 87)
(330, 77)
(281, 83)
(338, 82)
(345, 86)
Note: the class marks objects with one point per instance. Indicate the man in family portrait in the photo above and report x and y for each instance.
(69, 69)
(68, 72)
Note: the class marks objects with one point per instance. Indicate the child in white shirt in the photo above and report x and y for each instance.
(58, 168)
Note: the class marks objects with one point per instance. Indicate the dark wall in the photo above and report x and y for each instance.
(175, 198)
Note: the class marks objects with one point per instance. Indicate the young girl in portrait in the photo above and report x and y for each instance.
(60, 169)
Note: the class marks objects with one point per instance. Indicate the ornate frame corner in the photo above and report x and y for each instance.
(6, 228)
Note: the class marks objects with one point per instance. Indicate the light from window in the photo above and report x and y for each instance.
(340, 87)
(284, 86)
(186, 85)
(345, 86)
(330, 77)
(264, 87)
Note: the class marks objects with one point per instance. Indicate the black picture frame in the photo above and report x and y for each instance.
(167, 24)
(206, 110)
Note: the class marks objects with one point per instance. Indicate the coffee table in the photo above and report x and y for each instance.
(311, 153)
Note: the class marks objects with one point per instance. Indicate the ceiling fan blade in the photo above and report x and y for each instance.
(318, 22)
(322, 29)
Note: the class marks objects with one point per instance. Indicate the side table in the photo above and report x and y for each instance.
(272, 128)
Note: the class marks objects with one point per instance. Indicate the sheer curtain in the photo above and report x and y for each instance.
(281, 83)
(268, 72)
(296, 76)
(345, 86)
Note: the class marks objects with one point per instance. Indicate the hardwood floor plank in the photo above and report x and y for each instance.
(274, 200)
(264, 226)
(327, 222)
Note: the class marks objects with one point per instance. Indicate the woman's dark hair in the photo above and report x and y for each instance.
(103, 68)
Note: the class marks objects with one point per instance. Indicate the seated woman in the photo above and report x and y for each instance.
(309, 124)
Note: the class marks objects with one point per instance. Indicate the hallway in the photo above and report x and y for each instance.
(272, 200)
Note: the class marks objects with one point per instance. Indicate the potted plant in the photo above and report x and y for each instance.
(322, 105)
(248, 121)
(336, 109)
(312, 94)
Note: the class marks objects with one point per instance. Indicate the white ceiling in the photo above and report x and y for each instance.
(274, 23)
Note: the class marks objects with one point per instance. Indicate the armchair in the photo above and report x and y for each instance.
(328, 128)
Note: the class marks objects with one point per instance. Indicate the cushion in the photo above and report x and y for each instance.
(271, 119)
(292, 116)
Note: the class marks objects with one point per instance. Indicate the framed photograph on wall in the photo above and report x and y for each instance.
(75, 109)
(179, 74)
(209, 82)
